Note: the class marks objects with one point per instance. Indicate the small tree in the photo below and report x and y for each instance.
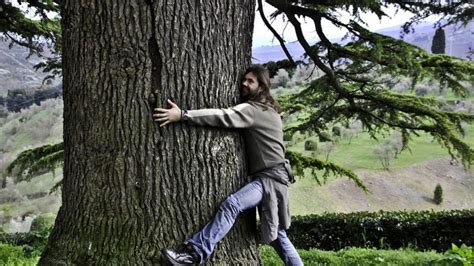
(389, 149)
(287, 136)
(385, 155)
(43, 222)
(439, 42)
(328, 148)
(438, 194)
(310, 145)
(324, 136)
(281, 78)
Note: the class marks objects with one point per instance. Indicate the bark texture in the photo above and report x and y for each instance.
(131, 188)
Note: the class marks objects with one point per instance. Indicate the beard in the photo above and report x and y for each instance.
(246, 94)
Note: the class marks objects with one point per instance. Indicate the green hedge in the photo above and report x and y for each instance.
(424, 230)
(31, 242)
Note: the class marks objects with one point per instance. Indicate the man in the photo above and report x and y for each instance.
(267, 166)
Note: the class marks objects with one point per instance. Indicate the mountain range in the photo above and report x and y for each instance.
(16, 68)
(459, 40)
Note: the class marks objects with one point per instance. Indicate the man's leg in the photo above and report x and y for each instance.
(286, 250)
(205, 240)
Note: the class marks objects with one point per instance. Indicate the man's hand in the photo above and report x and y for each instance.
(166, 116)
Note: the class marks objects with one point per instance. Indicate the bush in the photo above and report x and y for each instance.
(281, 79)
(422, 90)
(462, 255)
(304, 74)
(33, 241)
(336, 131)
(310, 145)
(15, 255)
(324, 136)
(287, 137)
(422, 230)
(438, 194)
(44, 222)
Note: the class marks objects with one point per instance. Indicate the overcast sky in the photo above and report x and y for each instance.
(263, 36)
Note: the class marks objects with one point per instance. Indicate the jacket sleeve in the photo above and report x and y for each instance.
(239, 116)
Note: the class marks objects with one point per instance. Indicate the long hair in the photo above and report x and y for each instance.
(263, 96)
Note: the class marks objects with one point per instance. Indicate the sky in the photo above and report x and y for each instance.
(263, 36)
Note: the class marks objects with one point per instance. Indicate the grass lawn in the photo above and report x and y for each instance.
(357, 256)
(359, 153)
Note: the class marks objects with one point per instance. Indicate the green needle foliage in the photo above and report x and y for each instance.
(349, 89)
(35, 33)
(32, 162)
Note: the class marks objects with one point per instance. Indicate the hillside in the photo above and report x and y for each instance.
(458, 42)
(409, 185)
(16, 68)
(408, 188)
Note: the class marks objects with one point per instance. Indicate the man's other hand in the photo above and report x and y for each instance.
(166, 116)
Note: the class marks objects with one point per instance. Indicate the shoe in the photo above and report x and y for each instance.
(183, 255)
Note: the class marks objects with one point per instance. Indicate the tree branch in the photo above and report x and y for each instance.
(275, 33)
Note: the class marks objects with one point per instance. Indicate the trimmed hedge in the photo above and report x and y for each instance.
(423, 230)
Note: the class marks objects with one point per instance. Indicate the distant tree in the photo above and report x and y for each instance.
(385, 155)
(46, 93)
(388, 150)
(310, 145)
(274, 66)
(328, 148)
(287, 136)
(3, 112)
(324, 136)
(439, 42)
(438, 194)
(280, 79)
(18, 99)
(422, 90)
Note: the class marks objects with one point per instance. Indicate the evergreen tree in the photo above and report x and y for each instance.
(438, 194)
(439, 42)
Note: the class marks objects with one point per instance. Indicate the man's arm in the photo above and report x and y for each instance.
(239, 116)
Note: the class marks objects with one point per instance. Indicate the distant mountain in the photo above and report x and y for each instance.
(16, 70)
(458, 42)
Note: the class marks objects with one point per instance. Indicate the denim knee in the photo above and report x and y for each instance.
(230, 204)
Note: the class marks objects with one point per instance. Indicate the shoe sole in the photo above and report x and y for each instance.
(172, 261)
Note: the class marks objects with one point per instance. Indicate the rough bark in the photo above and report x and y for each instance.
(131, 188)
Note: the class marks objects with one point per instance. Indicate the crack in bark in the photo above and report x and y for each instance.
(156, 60)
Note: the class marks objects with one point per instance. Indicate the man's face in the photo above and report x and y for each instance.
(250, 85)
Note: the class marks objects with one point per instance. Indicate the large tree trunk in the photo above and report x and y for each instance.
(131, 188)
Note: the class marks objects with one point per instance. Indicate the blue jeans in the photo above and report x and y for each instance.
(247, 197)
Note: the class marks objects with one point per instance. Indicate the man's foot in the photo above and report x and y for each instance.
(183, 255)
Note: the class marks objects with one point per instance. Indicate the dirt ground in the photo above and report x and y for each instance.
(409, 188)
